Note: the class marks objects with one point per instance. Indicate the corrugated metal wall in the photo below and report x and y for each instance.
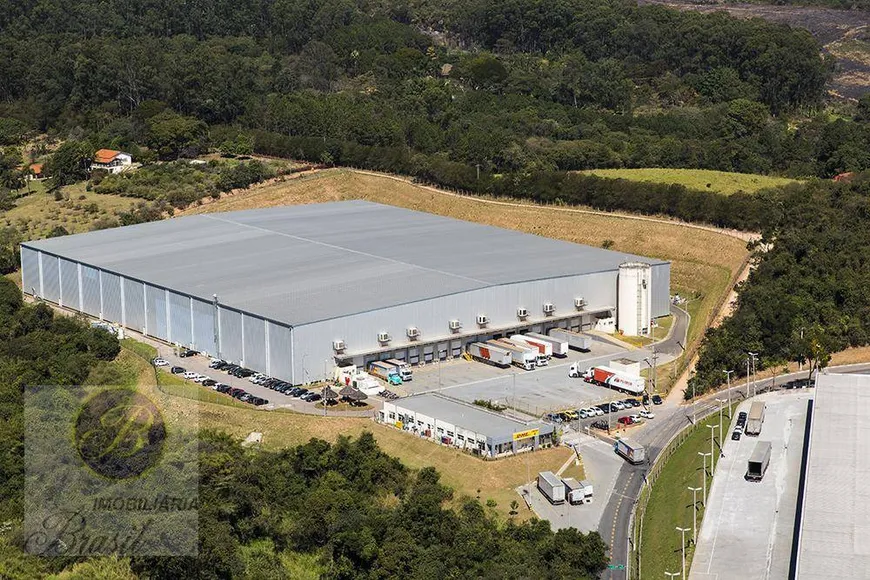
(155, 309)
(90, 290)
(255, 342)
(134, 305)
(111, 297)
(279, 351)
(50, 278)
(69, 284)
(203, 327)
(179, 319)
(661, 290)
(30, 272)
(231, 335)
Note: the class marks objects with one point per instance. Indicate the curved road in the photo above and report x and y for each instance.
(670, 419)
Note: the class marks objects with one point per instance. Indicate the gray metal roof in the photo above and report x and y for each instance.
(835, 529)
(468, 416)
(304, 263)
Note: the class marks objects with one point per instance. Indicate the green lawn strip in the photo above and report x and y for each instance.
(723, 182)
(670, 504)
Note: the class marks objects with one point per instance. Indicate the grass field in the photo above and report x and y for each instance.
(703, 262)
(722, 182)
(670, 505)
(35, 215)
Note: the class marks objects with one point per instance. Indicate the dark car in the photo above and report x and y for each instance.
(222, 388)
(602, 425)
(553, 418)
(178, 370)
(246, 397)
(742, 415)
(236, 392)
(735, 436)
(209, 383)
(258, 401)
(186, 352)
(215, 364)
(631, 403)
(645, 399)
(299, 392)
(605, 408)
(657, 400)
(311, 397)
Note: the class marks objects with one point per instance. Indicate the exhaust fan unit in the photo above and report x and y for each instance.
(338, 345)
(455, 325)
(522, 313)
(579, 303)
(549, 308)
(482, 320)
(413, 332)
(384, 337)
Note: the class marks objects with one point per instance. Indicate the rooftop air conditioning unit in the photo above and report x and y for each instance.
(482, 320)
(384, 337)
(579, 303)
(522, 313)
(338, 345)
(413, 332)
(549, 308)
(455, 325)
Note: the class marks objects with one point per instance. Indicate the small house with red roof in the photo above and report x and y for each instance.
(111, 160)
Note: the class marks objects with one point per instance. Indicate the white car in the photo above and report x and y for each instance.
(596, 412)
(637, 419)
(618, 404)
(199, 378)
(583, 413)
(647, 414)
(159, 362)
(190, 375)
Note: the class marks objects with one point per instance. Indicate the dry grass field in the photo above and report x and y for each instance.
(703, 262)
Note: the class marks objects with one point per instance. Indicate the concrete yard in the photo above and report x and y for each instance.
(747, 529)
(535, 392)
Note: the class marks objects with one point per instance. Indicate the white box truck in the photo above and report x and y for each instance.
(543, 347)
(521, 357)
(574, 491)
(367, 384)
(403, 368)
(552, 487)
(386, 372)
(608, 377)
(574, 339)
(541, 359)
(758, 461)
(490, 354)
(559, 347)
(632, 452)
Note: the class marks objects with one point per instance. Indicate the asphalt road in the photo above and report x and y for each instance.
(670, 418)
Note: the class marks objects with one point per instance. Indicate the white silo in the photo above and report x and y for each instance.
(634, 299)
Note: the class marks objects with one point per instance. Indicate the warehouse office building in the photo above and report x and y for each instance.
(833, 538)
(465, 426)
(292, 291)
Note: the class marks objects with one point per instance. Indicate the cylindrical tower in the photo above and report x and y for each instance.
(634, 299)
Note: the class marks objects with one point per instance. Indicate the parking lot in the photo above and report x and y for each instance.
(535, 392)
(751, 523)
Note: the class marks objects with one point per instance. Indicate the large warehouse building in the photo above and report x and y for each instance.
(290, 291)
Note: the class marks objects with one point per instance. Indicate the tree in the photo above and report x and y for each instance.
(70, 163)
(169, 133)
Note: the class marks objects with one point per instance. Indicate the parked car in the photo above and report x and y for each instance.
(190, 375)
(602, 425)
(657, 400)
(216, 363)
(595, 411)
(177, 370)
(604, 408)
(631, 402)
(636, 419)
(209, 383)
(647, 414)
(735, 436)
(222, 387)
(582, 413)
(300, 392)
(185, 352)
(615, 407)
(159, 362)
(246, 397)
(738, 428)
(645, 399)
(625, 420)
(553, 418)
(571, 415)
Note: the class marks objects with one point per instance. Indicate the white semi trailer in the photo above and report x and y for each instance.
(491, 354)
(574, 339)
(552, 487)
(559, 347)
(523, 357)
(543, 347)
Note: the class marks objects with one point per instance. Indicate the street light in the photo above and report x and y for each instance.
(672, 574)
(704, 474)
(683, 547)
(712, 447)
(694, 491)
(747, 377)
(754, 356)
(728, 378)
(720, 401)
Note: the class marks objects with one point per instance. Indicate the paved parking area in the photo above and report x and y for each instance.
(602, 467)
(747, 530)
(534, 392)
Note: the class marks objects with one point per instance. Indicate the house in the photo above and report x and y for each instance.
(111, 161)
(35, 171)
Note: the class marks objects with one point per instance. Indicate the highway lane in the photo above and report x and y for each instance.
(670, 419)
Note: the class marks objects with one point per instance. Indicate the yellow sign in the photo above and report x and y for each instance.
(399, 424)
(526, 434)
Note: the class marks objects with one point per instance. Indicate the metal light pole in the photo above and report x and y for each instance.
(712, 448)
(728, 378)
(747, 377)
(720, 401)
(683, 547)
(704, 475)
(754, 356)
(694, 491)
(672, 574)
